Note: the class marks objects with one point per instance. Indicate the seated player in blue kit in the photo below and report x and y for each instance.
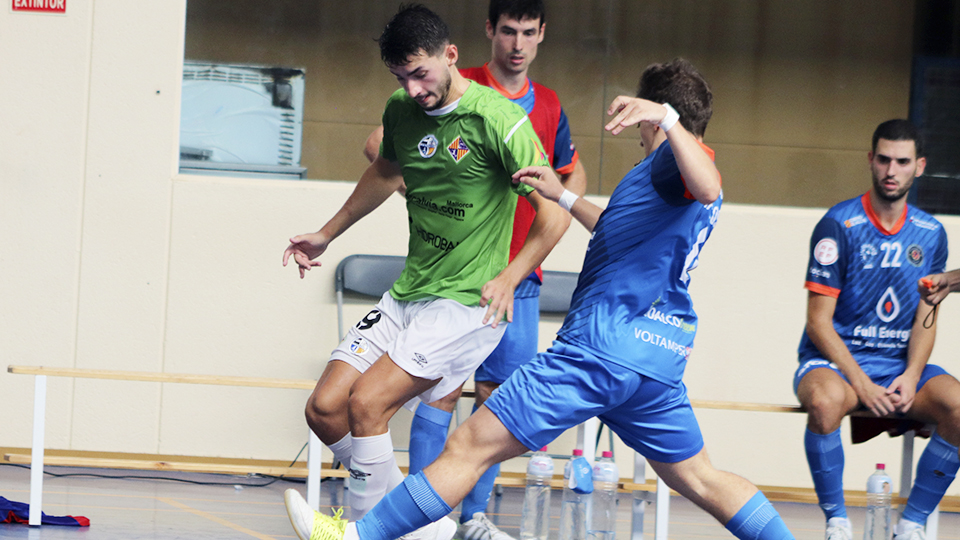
(866, 343)
(621, 352)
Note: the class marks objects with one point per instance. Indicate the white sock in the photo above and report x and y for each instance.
(839, 522)
(905, 526)
(343, 450)
(396, 478)
(350, 533)
(372, 470)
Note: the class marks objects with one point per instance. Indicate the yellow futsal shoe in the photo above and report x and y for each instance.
(310, 524)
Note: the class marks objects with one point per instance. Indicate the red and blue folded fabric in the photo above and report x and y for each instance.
(18, 512)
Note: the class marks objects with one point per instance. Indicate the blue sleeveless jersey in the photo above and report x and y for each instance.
(631, 304)
(873, 273)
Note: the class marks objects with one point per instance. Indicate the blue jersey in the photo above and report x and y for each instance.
(631, 305)
(873, 273)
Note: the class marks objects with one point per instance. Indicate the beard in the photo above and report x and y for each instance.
(891, 196)
(443, 89)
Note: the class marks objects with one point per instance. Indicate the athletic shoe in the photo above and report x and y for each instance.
(839, 529)
(441, 529)
(310, 524)
(481, 528)
(909, 532)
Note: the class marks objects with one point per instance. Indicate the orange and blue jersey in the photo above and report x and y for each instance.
(551, 126)
(873, 274)
(631, 305)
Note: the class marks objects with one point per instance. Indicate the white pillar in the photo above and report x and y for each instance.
(663, 510)
(36, 458)
(587, 438)
(314, 453)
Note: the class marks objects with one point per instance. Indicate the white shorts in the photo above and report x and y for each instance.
(430, 339)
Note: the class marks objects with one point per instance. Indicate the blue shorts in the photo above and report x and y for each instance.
(520, 342)
(567, 385)
(881, 373)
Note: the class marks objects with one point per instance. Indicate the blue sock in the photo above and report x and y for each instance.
(411, 505)
(935, 471)
(428, 434)
(825, 456)
(479, 496)
(757, 520)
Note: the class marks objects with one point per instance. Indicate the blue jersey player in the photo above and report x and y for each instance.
(621, 352)
(868, 337)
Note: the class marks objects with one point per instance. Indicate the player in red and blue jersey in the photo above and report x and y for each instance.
(868, 337)
(628, 315)
(515, 29)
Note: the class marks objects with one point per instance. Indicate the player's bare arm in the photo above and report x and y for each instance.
(575, 180)
(697, 168)
(546, 183)
(918, 354)
(820, 329)
(548, 226)
(935, 287)
(380, 179)
(371, 148)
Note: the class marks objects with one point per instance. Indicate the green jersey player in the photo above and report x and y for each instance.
(456, 144)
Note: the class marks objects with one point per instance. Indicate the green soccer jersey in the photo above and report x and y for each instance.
(457, 164)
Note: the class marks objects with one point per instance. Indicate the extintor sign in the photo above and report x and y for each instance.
(40, 6)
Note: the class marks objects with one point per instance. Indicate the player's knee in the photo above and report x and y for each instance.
(320, 410)
(447, 403)
(365, 410)
(824, 409)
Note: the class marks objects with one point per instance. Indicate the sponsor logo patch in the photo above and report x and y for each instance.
(826, 252)
(458, 149)
(867, 254)
(428, 146)
(357, 474)
(915, 255)
(854, 221)
(359, 346)
(924, 224)
(888, 307)
(420, 359)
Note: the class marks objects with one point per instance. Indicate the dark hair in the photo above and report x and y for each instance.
(412, 30)
(684, 88)
(899, 130)
(516, 9)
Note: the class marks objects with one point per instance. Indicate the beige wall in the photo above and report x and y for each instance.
(798, 86)
(110, 260)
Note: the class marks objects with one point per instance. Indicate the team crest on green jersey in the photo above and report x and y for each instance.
(458, 149)
(428, 146)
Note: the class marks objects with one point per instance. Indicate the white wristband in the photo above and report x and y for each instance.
(670, 119)
(567, 199)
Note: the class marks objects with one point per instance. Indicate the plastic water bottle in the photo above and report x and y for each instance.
(879, 489)
(606, 480)
(573, 508)
(536, 498)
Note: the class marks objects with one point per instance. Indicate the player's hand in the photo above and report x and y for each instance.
(631, 111)
(542, 179)
(933, 288)
(904, 387)
(497, 296)
(304, 248)
(876, 399)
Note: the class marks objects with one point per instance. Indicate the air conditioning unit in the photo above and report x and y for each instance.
(241, 120)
